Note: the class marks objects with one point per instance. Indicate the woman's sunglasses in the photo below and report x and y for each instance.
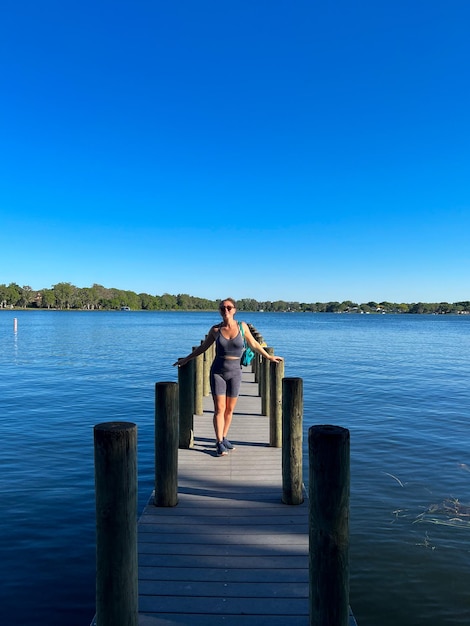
(228, 308)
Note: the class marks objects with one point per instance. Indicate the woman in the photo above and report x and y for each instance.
(226, 373)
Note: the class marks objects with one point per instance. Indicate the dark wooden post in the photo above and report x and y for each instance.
(257, 360)
(115, 448)
(207, 362)
(292, 413)
(186, 404)
(276, 375)
(266, 385)
(329, 480)
(166, 444)
(198, 383)
(255, 366)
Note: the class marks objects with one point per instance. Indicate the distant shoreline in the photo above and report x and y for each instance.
(65, 296)
(75, 310)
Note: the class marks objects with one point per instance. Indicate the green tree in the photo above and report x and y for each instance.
(148, 302)
(168, 302)
(207, 305)
(279, 305)
(332, 307)
(47, 298)
(247, 304)
(92, 297)
(3, 296)
(421, 308)
(13, 294)
(64, 295)
(82, 298)
(183, 301)
(114, 302)
(346, 305)
(27, 296)
(444, 307)
(130, 299)
(101, 295)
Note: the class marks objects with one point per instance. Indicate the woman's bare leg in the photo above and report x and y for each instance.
(228, 414)
(219, 416)
(223, 413)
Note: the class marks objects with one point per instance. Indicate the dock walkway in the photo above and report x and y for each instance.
(230, 552)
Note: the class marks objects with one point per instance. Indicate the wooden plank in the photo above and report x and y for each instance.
(279, 561)
(224, 589)
(224, 618)
(250, 540)
(216, 574)
(217, 605)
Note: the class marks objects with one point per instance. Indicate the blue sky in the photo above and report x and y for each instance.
(294, 150)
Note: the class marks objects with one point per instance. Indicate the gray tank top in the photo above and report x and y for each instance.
(229, 347)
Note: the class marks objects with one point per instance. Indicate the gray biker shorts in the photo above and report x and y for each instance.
(226, 377)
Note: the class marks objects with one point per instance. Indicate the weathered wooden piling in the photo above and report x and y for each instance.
(292, 413)
(265, 384)
(329, 479)
(276, 375)
(166, 444)
(115, 451)
(256, 363)
(206, 367)
(198, 383)
(186, 404)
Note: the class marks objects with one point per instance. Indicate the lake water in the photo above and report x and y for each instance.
(400, 384)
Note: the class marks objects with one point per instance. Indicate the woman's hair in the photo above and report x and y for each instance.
(228, 300)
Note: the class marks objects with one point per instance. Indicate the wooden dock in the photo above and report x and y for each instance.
(230, 552)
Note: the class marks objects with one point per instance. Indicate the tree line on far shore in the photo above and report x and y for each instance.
(67, 296)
